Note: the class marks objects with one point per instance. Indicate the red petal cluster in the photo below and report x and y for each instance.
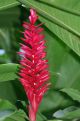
(34, 70)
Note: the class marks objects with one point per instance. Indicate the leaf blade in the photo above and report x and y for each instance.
(8, 72)
(73, 93)
(5, 4)
(9, 112)
(68, 113)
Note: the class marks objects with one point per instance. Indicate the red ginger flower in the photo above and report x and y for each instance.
(34, 70)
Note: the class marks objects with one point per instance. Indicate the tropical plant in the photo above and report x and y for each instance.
(61, 22)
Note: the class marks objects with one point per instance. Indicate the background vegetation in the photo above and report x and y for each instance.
(61, 20)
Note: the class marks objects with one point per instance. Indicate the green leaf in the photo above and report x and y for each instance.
(9, 112)
(68, 113)
(7, 91)
(56, 4)
(17, 116)
(63, 24)
(12, 17)
(73, 115)
(55, 120)
(60, 113)
(5, 4)
(63, 65)
(4, 114)
(11, 115)
(41, 117)
(8, 72)
(5, 104)
(73, 93)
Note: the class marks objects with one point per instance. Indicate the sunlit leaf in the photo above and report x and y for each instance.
(4, 4)
(73, 93)
(68, 113)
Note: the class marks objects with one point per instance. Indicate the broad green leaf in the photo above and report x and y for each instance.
(63, 7)
(10, 112)
(17, 116)
(11, 115)
(5, 4)
(7, 91)
(68, 113)
(73, 93)
(63, 24)
(63, 65)
(73, 115)
(60, 113)
(8, 72)
(5, 113)
(5, 104)
(52, 100)
(12, 17)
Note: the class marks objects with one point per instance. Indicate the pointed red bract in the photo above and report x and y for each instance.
(34, 74)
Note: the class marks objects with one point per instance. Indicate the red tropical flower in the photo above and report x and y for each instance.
(34, 74)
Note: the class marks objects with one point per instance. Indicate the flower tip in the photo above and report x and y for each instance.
(33, 16)
(33, 12)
